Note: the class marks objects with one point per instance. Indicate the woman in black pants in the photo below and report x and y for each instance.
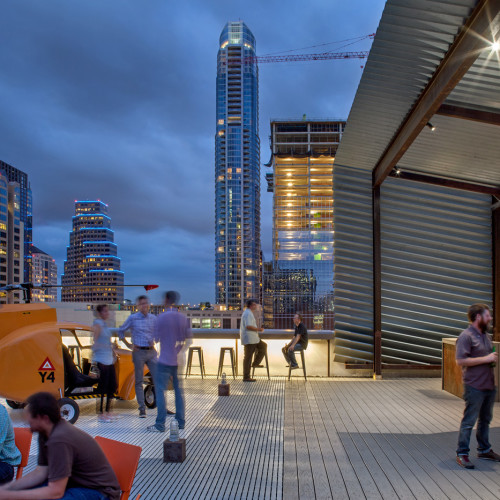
(102, 354)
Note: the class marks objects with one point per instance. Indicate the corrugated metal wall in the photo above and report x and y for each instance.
(436, 261)
(352, 264)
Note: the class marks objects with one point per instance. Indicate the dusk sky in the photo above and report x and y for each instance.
(115, 100)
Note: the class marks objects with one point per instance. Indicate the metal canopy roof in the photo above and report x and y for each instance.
(412, 39)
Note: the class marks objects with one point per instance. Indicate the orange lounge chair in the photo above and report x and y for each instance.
(124, 458)
(23, 442)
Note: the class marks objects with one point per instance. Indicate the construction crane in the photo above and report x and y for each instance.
(309, 57)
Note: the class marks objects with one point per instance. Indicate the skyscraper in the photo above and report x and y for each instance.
(11, 238)
(44, 271)
(237, 169)
(303, 153)
(92, 259)
(25, 212)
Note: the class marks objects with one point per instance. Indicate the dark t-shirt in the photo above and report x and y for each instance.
(70, 452)
(301, 330)
(473, 344)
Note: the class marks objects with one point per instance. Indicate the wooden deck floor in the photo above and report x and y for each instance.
(325, 438)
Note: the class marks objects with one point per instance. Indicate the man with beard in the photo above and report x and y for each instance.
(476, 357)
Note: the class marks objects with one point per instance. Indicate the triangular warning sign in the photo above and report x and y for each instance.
(46, 366)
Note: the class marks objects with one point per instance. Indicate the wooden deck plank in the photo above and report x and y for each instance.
(337, 438)
(400, 418)
(442, 445)
(332, 470)
(397, 458)
(396, 480)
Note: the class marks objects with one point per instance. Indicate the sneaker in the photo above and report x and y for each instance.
(463, 461)
(294, 367)
(142, 413)
(491, 455)
(153, 428)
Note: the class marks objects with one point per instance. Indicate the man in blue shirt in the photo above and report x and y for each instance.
(173, 332)
(142, 326)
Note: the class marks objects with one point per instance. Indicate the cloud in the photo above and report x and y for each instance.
(115, 100)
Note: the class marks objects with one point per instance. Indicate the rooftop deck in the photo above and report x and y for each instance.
(325, 438)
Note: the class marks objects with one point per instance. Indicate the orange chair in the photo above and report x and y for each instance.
(22, 437)
(124, 459)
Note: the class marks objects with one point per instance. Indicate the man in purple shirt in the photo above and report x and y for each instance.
(474, 354)
(173, 332)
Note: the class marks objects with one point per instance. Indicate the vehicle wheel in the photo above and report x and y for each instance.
(150, 396)
(70, 410)
(14, 404)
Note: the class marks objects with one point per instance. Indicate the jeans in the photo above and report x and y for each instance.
(83, 494)
(140, 358)
(290, 355)
(162, 376)
(249, 349)
(78, 493)
(478, 406)
(6, 472)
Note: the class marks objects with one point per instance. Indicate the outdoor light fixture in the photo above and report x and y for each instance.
(431, 126)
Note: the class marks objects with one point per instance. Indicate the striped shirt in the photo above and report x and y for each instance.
(142, 329)
(8, 451)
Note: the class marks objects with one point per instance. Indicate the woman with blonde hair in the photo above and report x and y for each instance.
(103, 356)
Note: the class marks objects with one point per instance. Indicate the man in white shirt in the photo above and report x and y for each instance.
(249, 336)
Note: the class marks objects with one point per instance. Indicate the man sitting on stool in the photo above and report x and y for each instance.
(298, 343)
(249, 336)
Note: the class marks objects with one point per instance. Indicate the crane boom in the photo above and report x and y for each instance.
(310, 57)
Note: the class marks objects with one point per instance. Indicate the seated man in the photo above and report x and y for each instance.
(71, 464)
(9, 454)
(298, 342)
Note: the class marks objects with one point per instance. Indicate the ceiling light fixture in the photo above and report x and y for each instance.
(431, 126)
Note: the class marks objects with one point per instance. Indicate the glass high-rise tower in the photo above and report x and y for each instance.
(25, 210)
(92, 258)
(237, 169)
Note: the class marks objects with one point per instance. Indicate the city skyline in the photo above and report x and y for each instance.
(128, 116)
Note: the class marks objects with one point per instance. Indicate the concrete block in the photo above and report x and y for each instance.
(174, 451)
(224, 389)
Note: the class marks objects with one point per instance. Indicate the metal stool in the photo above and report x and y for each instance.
(199, 350)
(223, 351)
(267, 367)
(303, 366)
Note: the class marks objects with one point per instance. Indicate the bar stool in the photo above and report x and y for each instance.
(223, 351)
(199, 350)
(303, 366)
(267, 367)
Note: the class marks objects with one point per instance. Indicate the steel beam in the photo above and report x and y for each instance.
(377, 284)
(445, 181)
(474, 115)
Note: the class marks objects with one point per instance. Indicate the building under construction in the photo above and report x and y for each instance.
(301, 279)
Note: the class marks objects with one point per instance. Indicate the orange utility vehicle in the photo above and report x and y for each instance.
(33, 357)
